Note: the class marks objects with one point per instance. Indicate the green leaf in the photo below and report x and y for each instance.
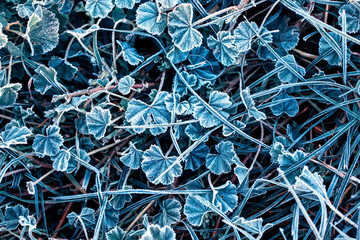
(285, 75)
(175, 55)
(283, 103)
(8, 94)
(13, 214)
(125, 84)
(223, 47)
(49, 144)
(150, 19)
(155, 232)
(133, 157)
(3, 38)
(181, 89)
(170, 213)
(99, 8)
(221, 161)
(61, 160)
(195, 131)
(97, 121)
(250, 105)
(130, 54)
(155, 163)
(184, 35)
(86, 216)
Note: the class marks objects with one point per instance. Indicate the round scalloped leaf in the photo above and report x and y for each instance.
(8, 94)
(195, 210)
(73, 163)
(181, 88)
(133, 157)
(125, 84)
(283, 103)
(225, 197)
(130, 54)
(311, 183)
(175, 55)
(243, 35)
(180, 108)
(185, 37)
(330, 55)
(86, 215)
(97, 121)
(111, 217)
(223, 47)
(203, 65)
(115, 234)
(15, 135)
(285, 75)
(155, 232)
(61, 160)
(221, 161)
(3, 38)
(13, 214)
(99, 8)
(168, 3)
(49, 144)
(129, 4)
(250, 105)
(155, 164)
(195, 131)
(64, 69)
(352, 16)
(150, 19)
(170, 213)
(197, 157)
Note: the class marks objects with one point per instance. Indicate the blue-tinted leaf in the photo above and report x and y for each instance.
(276, 150)
(8, 94)
(155, 163)
(13, 214)
(254, 225)
(73, 164)
(118, 201)
(97, 121)
(285, 75)
(181, 89)
(139, 113)
(203, 65)
(115, 234)
(221, 161)
(168, 3)
(49, 144)
(287, 159)
(170, 213)
(125, 85)
(45, 79)
(74, 104)
(61, 160)
(195, 210)
(155, 232)
(352, 16)
(14, 135)
(86, 216)
(111, 217)
(250, 105)
(175, 55)
(64, 69)
(241, 172)
(99, 8)
(185, 37)
(284, 104)
(130, 54)
(217, 100)
(195, 131)
(129, 4)
(133, 157)
(25, 10)
(331, 55)
(243, 36)
(223, 47)
(228, 131)
(181, 107)
(225, 197)
(80, 33)
(287, 37)
(3, 38)
(310, 183)
(150, 19)
(197, 157)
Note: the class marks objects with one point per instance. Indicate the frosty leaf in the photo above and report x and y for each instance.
(221, 162)
(311, 183)
(44, 34)
(116, 233)
(185, 37)
(285, 75)
(175, 55)
(150, 19)
(225, 197)
(3, 38)
(155, 232)
(86, 216)
(73, 163)
(130, 54)
(111, 217)
(288, 36)
(13, 214)
(99, 8)
(15, 135)
(243, 36)
(80, 33)
(168, 3)
(330, 55)
(195, 210)
(241, 172)
(254, 225)
(129, 4)
(155, 163)
(284, 104)
(250, 105)
(195, 131)
(61, 160)
(228, 131)
(197, 157)
(223, 47)
(352, 16)
(203, 65)
(139, 113)
(64, 69)
(218, 101)
(49, 144)
(97, 121)
(74, 104)
(180, 108)
(125, 85)
(8, 94)
(170, 213)
(276, 150)
(118, 201)
(181, 89)
(133, 157)
(288, 159)
(45, 79)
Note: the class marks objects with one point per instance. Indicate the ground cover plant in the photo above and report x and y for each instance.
(179, 119)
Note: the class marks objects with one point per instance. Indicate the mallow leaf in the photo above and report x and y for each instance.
(155, 232)
(111, 217)
(184, 35)
(168, 3)
(86, 216)
(203, 65)
(195, 131)
(155, 164)
(13, 214)
(195, 210)
(125, 84)
(14, 135)
(309, 182)
(287, 160)
(74, 104)
(149, 18)
(3, 38)
(99, 8)
(49, 143)
(217, 100)
(61, 160)
(181, 89)
(9, 94)
(139, 113)
(221, 161)
(283, 103)
(243, 35)
(181, 107)
(97, 121)
(229, 131)
(129, 4)
(133, 157)
(46, 79)
(116, 233)
(250, 105)
(170, 213)
(285, 75)
(130, 54)
(225, 197)
(64, 69)
(223, 47)
(326, 49)
(197, 157)
(352, 16)
(254, 226)
(175, 55)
